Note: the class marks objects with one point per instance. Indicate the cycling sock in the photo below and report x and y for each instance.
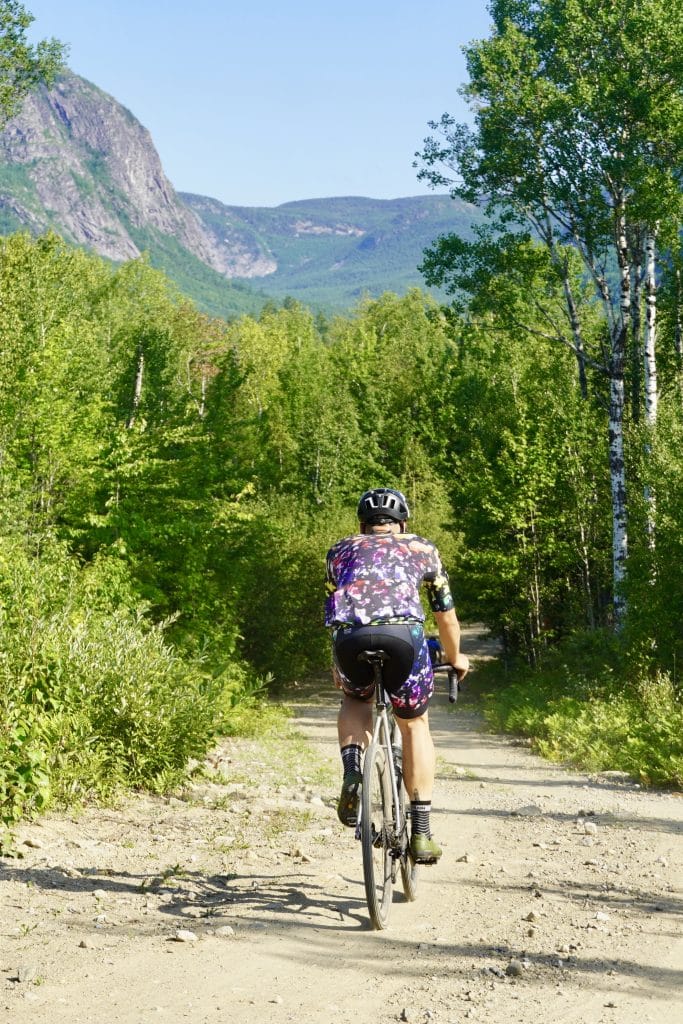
(350, 756)
(419, 813)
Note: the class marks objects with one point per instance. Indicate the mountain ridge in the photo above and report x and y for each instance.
(373, 245)
(77, 161)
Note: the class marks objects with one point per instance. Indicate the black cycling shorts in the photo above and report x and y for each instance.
(408, 676)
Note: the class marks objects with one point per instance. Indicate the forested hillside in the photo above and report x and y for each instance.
(75, 161)
(329, 253)
(169, 483)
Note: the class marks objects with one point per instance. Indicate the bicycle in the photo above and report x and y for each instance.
(382, 825)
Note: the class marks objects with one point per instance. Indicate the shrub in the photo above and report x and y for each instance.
(92, 698)
(589, 706)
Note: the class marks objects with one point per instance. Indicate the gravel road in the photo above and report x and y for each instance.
(559, 897)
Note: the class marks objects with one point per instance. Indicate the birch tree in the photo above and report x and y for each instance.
(579, 136)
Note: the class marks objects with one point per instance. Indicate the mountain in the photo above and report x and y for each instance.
(329, 252)
(77, 162)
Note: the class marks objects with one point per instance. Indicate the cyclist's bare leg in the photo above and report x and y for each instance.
(354, 724)
(419, 758)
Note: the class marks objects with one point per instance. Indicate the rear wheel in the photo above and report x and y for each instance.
(376, 825)
(408, 869)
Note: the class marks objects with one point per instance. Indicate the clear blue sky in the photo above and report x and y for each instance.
(257, 103)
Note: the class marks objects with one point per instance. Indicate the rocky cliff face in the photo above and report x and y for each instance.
(239, 251)
(75, 160)
(78, 161)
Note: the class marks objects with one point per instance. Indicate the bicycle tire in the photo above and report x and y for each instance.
(408, 868)
(409, 873)
(376, 824)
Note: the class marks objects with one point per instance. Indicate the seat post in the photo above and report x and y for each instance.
(376, 659)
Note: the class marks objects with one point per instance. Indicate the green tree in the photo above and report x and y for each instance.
(520, 457)
(54, 369)
(579, 135)
(22, 66)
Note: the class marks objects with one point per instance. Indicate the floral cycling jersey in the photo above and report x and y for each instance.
(375, 578)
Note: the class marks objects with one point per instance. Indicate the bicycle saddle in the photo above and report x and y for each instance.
(379, 656)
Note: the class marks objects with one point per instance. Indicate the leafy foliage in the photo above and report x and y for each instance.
(170, 484)
(582, 147)
(22, 66)
(92, 697)
(591, 705)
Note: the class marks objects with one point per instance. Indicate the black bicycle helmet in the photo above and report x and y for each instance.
(385, 503)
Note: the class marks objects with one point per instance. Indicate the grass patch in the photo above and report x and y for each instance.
(589, 707)
(283, 821)
(447, 770)
(252, 717)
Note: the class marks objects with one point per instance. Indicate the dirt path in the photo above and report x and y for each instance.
(578, 879)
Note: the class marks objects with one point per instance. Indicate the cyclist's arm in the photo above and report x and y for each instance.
(449, 635)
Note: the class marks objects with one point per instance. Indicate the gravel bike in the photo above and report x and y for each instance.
(383, 820)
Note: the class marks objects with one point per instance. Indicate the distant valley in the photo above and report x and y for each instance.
(329, 252)
(78, 162)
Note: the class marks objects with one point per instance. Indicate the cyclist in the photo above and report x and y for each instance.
(373, 581)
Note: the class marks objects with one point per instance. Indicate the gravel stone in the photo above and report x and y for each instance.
(26, 973)
(528, 811)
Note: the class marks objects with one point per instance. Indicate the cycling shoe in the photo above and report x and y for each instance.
(347, 808)
(424, 849)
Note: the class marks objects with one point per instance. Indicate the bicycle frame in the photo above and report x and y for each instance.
(387, 735)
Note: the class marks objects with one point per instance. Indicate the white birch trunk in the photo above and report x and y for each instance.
(575, 322)
(202, 403)
(650, 362)
(616, 429)
(650, 372)
(586, 572)
(137, 389)
(574, 319)
(199, 403)
(636, 354)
